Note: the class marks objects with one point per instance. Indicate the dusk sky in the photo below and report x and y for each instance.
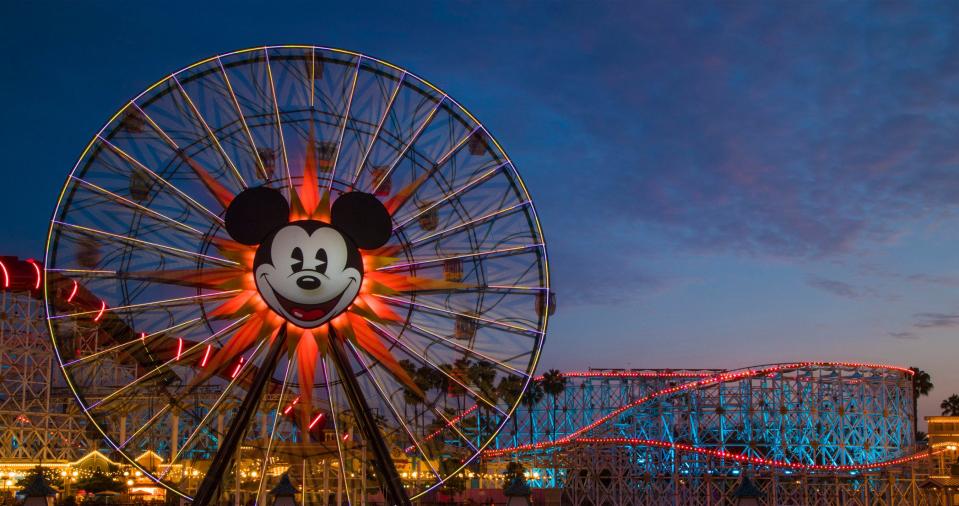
(720, 185)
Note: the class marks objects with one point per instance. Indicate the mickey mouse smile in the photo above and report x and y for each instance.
(304, 311)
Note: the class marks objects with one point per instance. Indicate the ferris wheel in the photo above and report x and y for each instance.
(296, 263)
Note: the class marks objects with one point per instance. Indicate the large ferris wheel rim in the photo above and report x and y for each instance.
(541, 334)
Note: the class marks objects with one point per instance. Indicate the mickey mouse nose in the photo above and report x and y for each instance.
(308, 282)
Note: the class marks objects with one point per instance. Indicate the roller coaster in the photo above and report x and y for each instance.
(804, 432)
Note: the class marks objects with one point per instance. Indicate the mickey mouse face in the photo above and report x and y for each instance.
(307, 271)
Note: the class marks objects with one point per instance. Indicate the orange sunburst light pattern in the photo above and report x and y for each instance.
(308, 201)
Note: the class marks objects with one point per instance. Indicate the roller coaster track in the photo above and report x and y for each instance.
(580, 435)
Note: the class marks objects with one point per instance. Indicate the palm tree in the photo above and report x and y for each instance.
(950, 406)
(921, 385)
(482, 374)
(532, 397)
(509, 388)
(412, 398)
(554, 383)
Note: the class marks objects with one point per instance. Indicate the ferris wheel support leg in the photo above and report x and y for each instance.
(206, 493)
(390, 482)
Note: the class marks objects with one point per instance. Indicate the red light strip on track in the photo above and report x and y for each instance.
(632, 374)
(179, 348)
(36, 269)
(290, 407)
(73, 293)
(316, 420)
(719, 378)
(437, 432)
(738, 457)
(6, 275)
(103, 307)
(237, 370)
(206, 355)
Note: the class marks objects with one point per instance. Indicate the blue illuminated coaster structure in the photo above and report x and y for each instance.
(390, 273)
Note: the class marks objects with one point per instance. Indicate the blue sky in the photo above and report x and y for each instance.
(720, 185)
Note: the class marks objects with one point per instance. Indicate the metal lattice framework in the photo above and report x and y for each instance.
(687, 436)
(37, 423)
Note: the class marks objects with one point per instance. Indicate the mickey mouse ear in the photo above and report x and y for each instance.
(364, 218)
(254, 213)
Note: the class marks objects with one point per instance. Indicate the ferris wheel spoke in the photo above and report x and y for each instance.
(168, 364)
(276, 418)
(214, 218)
(178, 301)
(382, 393)
(470, 223)
(455, 193)
(142, 338)
(457, 314)
(113, 197)
(312, 80)
(147, 244)
(346, 119)
(87, 273)
(336, 429)
(513, 249)
(210, 134)
(213, 408)
(243, 123)
(279, 124)
(379, 127)
(409, 144)
(146, 425)
(426, 361)
(436, 338)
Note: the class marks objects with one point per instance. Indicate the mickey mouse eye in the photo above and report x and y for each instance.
(297, 255)
(321, 261)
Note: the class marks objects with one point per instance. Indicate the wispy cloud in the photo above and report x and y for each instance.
(936, 320)
(906, 336)
(835, 287)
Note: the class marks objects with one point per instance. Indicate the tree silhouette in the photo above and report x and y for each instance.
(554, 383)
(509, 388)
(950, 406)
(921, 385)
(532, 397)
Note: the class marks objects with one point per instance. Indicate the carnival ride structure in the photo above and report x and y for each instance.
(138, 250)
